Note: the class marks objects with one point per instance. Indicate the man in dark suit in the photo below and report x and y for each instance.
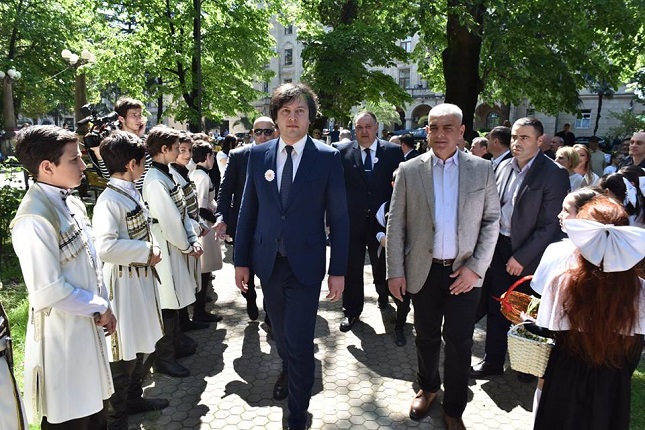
(229, 198)
(368, 163)
(499, 142)
(292, 185)
(408, 146)
(531, 188)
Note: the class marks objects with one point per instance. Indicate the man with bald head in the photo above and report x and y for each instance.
(368, 163)
(229, 198)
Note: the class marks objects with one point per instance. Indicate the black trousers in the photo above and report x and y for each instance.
(497, 282)
(293, 308)
(354, 293)
(127, 377)
(433, 305)
(95, 421)
(402, 307)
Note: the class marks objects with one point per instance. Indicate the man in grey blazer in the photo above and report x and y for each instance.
(441, 261)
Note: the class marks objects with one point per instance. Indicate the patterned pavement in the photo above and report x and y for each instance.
(363, 380)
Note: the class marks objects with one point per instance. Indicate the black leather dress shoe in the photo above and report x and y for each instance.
(281, 387)
(174, 369)
(141, 404)
(399, 338)
(205, 317)
(252, 310)
(484, 370)
(347, 323)
(526, 378)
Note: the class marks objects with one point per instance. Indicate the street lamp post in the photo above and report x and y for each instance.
(80, 87)
(9, 118)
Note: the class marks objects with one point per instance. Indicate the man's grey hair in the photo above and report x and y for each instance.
(446, 109)
(345, 134)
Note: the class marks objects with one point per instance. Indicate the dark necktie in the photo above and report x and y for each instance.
(367, 164)
(287, 177)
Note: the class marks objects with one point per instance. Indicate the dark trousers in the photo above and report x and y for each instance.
(95, 421)
(497, 282)
(354, 293)
(200, 296)
(293, 307)
(432, 305)
(402, 307)
(127, 377)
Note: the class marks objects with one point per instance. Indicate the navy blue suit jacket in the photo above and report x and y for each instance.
(229, 198)
(318, 189)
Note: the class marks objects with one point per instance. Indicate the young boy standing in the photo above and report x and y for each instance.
(124, 243)
(211, 260)
(172, 229)
(67, 374)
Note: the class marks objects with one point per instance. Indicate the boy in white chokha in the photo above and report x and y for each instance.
(125, 245)
(67, 374)
(211, 260)
(173, 231)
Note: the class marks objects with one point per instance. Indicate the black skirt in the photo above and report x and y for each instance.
(578, 396)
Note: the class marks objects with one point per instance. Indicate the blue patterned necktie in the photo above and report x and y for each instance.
(367, 164)
(287, 177)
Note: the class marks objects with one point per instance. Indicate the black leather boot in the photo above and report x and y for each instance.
(165, 361)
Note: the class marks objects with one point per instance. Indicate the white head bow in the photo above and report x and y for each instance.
(630, 193)
(618, 248)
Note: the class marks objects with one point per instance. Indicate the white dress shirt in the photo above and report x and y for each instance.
(445, 179)
(372, 148)
(296, 156)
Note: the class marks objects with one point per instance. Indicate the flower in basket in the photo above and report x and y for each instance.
(269, 175)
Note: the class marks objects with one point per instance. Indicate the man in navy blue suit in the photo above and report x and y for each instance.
(292, 184)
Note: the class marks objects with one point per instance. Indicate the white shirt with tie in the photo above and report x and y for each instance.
(281, 159)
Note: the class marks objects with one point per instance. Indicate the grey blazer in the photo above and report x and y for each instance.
(411, 223)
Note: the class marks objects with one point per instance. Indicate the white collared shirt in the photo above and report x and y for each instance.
(296, 156)
(497, 160)
(510, 193)
(445, 180)
(372, 149)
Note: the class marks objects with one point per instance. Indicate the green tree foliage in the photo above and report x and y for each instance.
(344, 40)
(628, 124)
(151, 52)
(543, 51)
(32, 35)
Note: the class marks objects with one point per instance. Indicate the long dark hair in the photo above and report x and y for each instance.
(602, 307)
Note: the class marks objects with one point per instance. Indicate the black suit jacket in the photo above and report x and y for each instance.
(534, 223)
(410, 155)
(229, 198)
(365, 197)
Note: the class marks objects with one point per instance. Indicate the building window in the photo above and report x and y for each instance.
(404, 78)
(406, 45)
(265, 87)
(530, 111)
(584, 119)
(492, 120)
(288, 57)
(288, 29)
(288, 81)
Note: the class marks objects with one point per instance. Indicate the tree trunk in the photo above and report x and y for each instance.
(595, 129)
(461, 61)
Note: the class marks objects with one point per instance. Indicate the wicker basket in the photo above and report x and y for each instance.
(513, 303)
(528, 355)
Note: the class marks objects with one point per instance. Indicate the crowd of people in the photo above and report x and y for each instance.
(447, 230)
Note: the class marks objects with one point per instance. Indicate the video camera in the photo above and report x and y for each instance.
(101, 126)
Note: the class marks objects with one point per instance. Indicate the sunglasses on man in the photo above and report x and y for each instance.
(266, 131)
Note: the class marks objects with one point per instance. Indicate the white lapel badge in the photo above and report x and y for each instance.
(269, 175)
(375, 160)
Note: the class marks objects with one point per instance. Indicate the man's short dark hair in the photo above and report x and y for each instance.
(503, 134)
(201, 150)
(118, 148)
(38, 143)
(531, 122)
(286, 93)
(126, 103)
(160, 136)
(186, 137)
(407, 139)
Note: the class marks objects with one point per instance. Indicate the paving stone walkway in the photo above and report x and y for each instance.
(363, 380)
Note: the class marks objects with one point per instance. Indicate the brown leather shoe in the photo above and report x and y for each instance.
(453, 423)
(421, 404)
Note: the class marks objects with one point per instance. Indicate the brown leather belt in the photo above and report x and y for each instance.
(444, 263)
